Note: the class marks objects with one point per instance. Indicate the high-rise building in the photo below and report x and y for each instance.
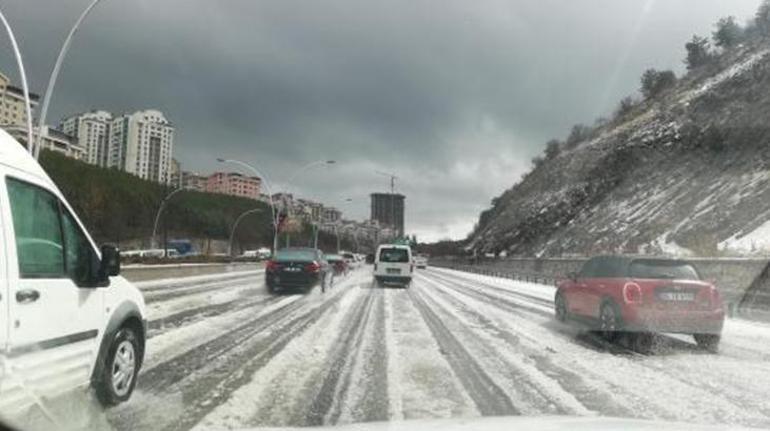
(92, 130)
(388, 210)
(13, 112)
(142, 143)
(234, 184)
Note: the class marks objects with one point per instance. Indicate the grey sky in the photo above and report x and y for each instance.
(454, 96)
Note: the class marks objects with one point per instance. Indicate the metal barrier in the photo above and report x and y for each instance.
(519, 276)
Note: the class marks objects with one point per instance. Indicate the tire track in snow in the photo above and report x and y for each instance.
(172, 321)
(527, 297)
(204, 376)
(333, 394)
(568, 380)
(678, 374)
(173, 292)
(490, 400)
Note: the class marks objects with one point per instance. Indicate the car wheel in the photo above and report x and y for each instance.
(609, 322)
(709, 342)
(642, 342)
(118, 377)
(560, 307)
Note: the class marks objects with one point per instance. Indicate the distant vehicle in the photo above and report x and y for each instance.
(152, 252)
(350, 259)
(264, 253)
(183, 247)
(69, 319)
(338, 263)
(421, 261)
(298, 268)
(393, 265)
(641, 296)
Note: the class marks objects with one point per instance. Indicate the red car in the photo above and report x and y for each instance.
(641, 296)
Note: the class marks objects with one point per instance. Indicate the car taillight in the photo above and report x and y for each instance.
(313, 267)
(411, 268)
(632, 293)
(272, 265)
(375, 267)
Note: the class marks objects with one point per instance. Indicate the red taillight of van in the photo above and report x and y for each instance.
(313, 267)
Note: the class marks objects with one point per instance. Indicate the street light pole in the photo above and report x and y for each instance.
(55, 74)
(235, 226)
(266, 182)
(23, 75)
(157, 217)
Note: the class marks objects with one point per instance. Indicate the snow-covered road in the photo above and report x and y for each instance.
(223, 353)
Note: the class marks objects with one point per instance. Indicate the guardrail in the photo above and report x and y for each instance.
(512, 275)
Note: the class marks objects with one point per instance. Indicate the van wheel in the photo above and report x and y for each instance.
(118, 376)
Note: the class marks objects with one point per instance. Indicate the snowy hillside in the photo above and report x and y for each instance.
(686, 173)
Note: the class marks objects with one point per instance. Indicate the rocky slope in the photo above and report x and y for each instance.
(687, 173)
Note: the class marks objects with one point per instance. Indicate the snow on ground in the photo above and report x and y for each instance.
(193, 280)
(735, 70)
(754, 241)
(453, 345)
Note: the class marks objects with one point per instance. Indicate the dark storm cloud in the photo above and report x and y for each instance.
(454, 96)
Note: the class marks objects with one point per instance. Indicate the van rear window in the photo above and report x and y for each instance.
(394, 255)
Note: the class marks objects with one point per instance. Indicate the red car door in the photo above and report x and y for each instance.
(607, 279)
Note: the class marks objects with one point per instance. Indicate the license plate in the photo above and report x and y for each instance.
(393, 271)
(677, 296)
(293, 269)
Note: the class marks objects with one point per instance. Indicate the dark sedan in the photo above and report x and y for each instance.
(298, 268)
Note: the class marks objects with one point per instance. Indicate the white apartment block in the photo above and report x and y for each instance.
(92, 130)
(52, 139)
(142, 143)
(12, 109)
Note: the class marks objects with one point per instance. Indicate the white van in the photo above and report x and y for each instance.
(393, 264)
(67, 319)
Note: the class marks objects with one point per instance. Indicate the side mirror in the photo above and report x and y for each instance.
(572, 275)
(110, 261)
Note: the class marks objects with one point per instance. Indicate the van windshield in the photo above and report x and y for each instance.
(394, 255)
(661, 269)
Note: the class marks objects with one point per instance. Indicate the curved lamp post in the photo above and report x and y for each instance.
(24, 86)
(157, 216)
(55, 74)
(266, 182)
(235, 226)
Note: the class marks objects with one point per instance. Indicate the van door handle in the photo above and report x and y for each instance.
(27, 295)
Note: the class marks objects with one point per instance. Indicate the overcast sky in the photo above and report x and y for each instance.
(455, 97)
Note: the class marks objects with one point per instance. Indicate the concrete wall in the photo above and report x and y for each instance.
(155, 272)
(743, 282)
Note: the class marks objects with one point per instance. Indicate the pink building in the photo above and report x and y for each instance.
(234, 184)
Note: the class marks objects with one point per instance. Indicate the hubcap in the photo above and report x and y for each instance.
(123, 368)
